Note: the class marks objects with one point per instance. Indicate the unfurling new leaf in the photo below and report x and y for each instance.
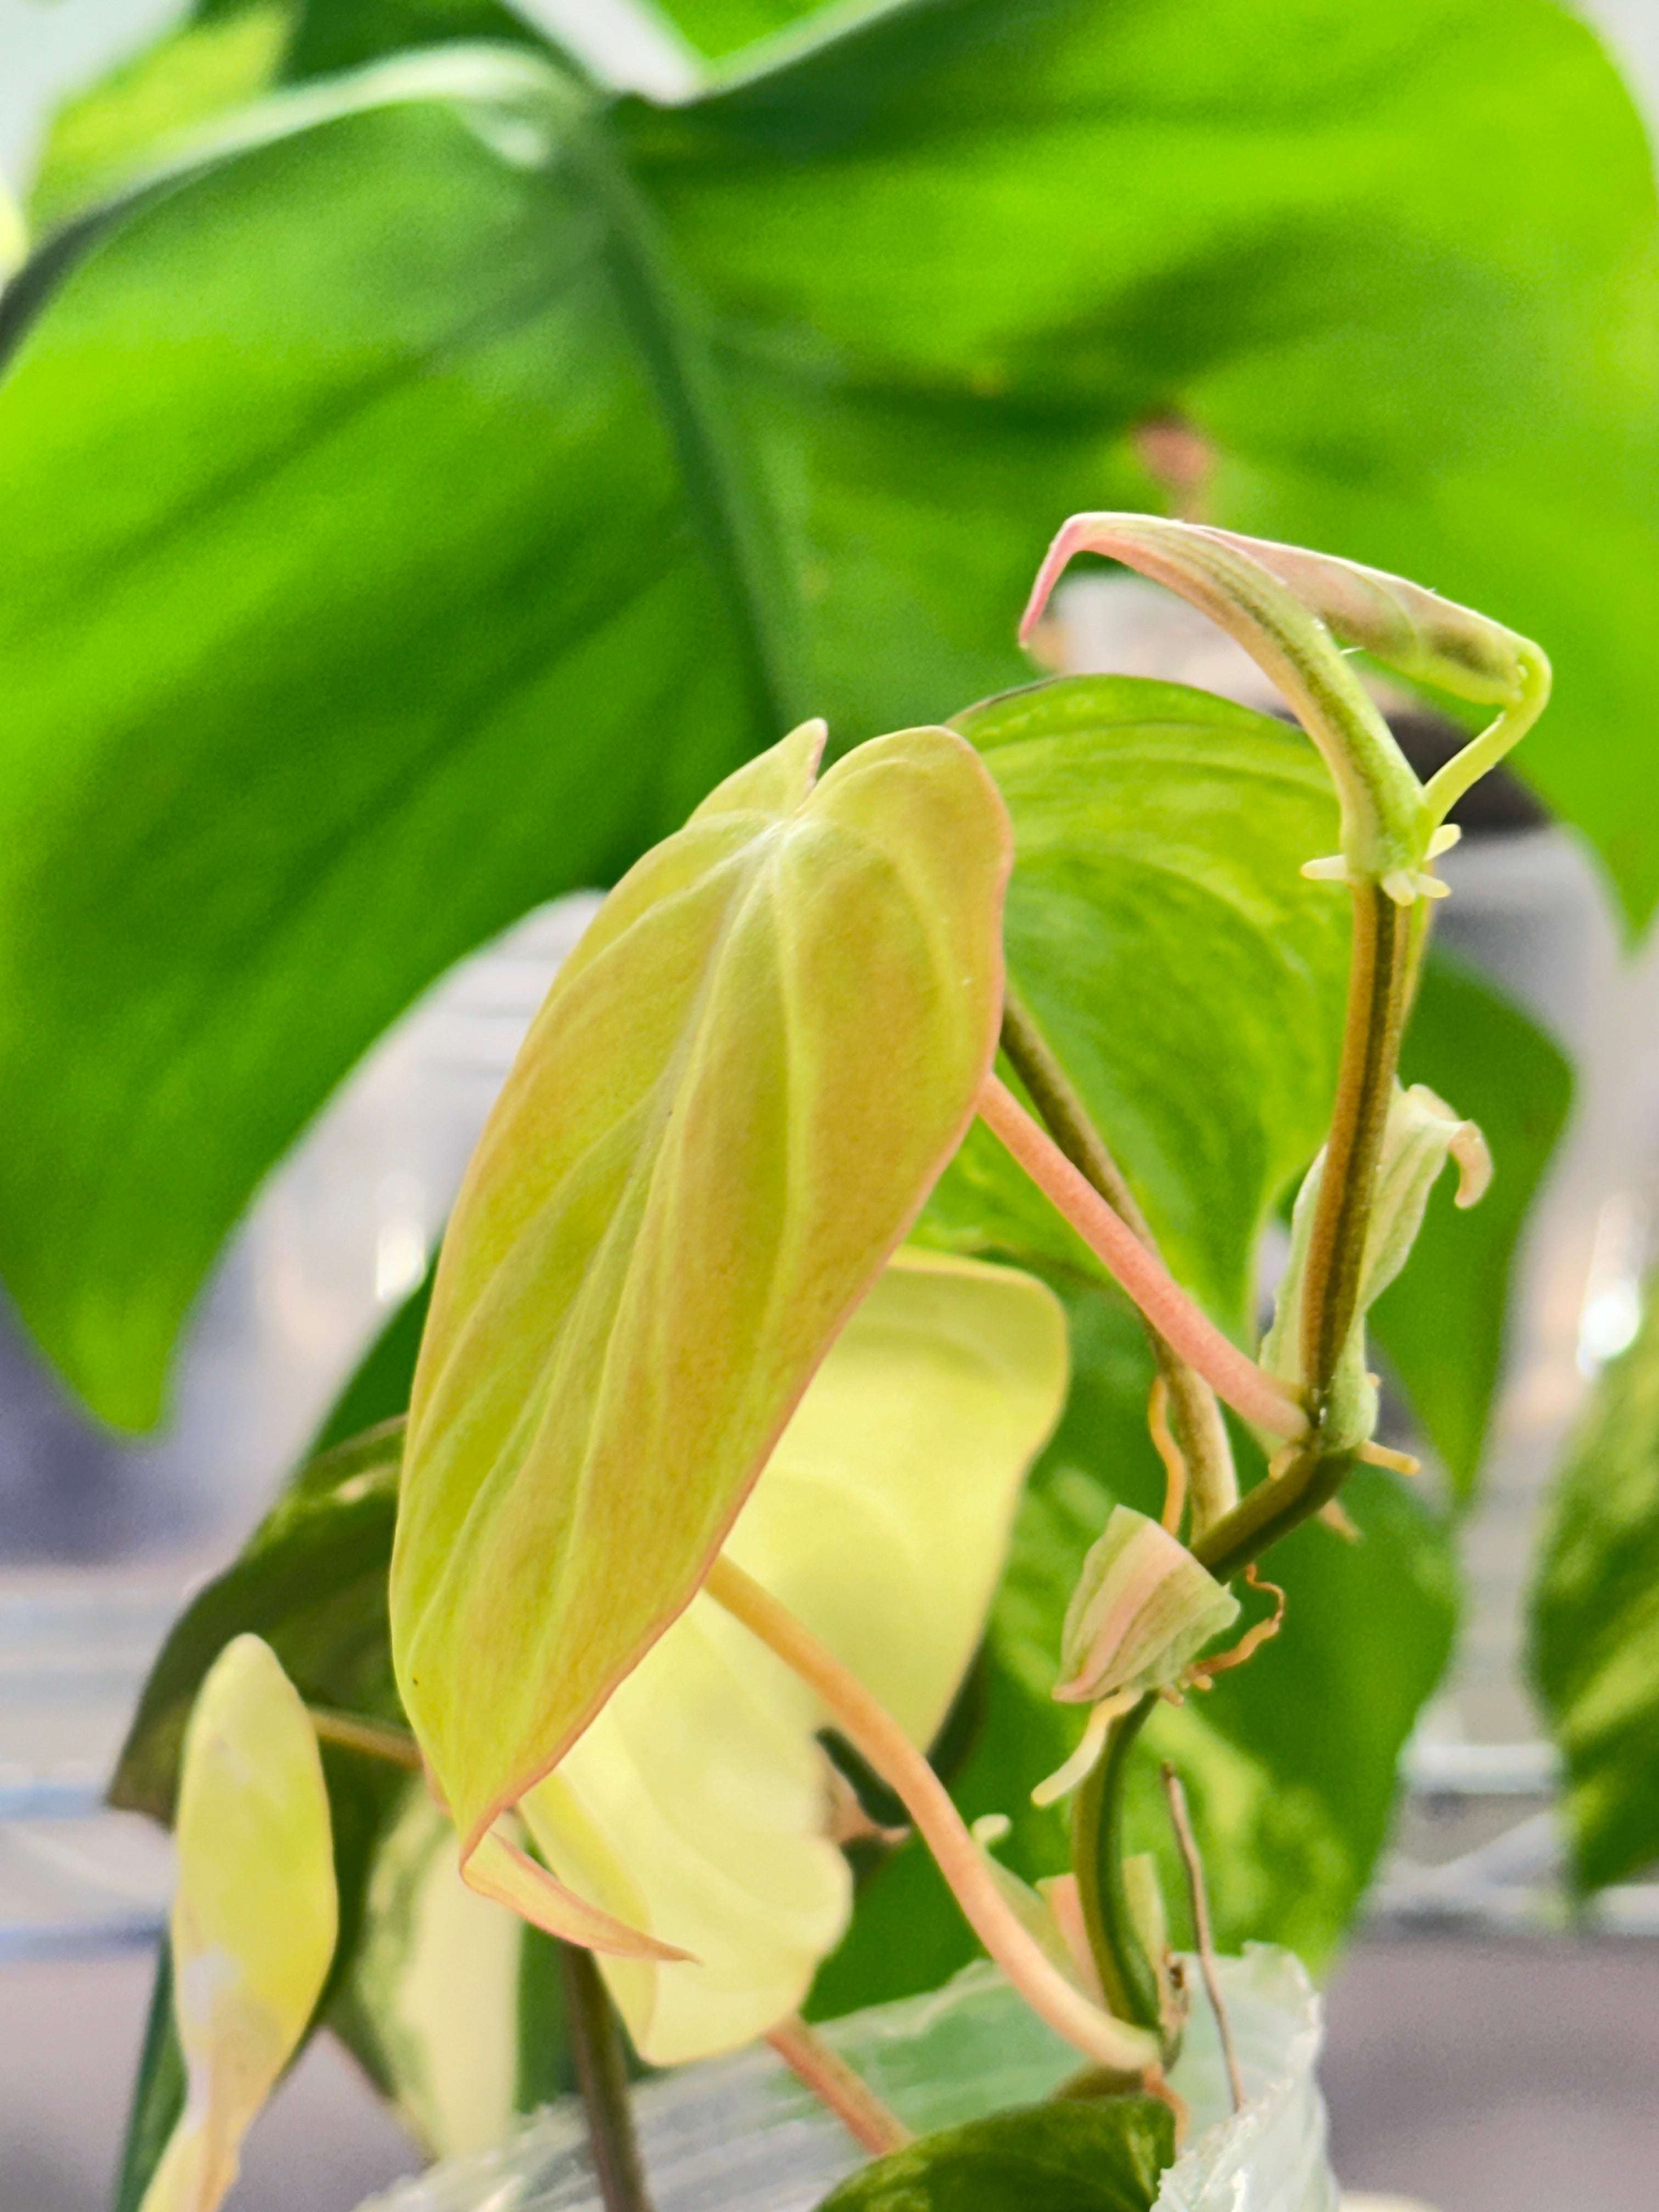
(1293, 611)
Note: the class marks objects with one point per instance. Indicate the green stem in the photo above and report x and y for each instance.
(1370, 1052)
(1532, 692)
(1272, 1510)
(1378, 996)
(1378, 987)
(373, 1739)
(1127, 1979)
(1194, 1415)
(602, 2075)
(1233, 1374)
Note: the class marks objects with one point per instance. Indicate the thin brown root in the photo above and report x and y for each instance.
(1175, 1465)
(1187, 1845)
(1253, 1638)
(834, 2083)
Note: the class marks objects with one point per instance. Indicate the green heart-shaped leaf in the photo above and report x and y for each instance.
(310, 1582)
(738, 1092)
(1061, 2157)
(1163, 940)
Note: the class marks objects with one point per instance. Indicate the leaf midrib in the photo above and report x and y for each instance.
(731, 520)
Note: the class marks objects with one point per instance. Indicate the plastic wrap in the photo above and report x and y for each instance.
(741, 2133)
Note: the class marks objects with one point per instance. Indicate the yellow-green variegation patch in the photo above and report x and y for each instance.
(254, 1916)
(435, 1983)
(740, 1089)
(700, 1806)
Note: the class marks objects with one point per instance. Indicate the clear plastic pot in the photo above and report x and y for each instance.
(741, 2133)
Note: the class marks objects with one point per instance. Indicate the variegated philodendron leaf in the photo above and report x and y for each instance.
(740, 1090)
(700, 1806)
(1293, 611)
(436, 1983)
(254, 1916)
(1422, 1134)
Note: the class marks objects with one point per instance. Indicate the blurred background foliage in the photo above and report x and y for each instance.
(429, 465)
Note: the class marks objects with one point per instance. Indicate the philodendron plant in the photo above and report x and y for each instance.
(714, 1446)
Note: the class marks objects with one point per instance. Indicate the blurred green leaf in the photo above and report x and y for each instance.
(1063, 2157)
(433, 1999)
(343, 35)
(471, 403)
(1324, 236)
(196, 72)
(718, 27)
(227, 54)
(493, 439)
(1595, 1618)
(1291, 1762)
(1187, 977)
(1442, 1323)
(547, 2064)
(378, 1391)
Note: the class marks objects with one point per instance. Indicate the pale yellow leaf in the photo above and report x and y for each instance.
(254, 1915)
(698, 1805)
